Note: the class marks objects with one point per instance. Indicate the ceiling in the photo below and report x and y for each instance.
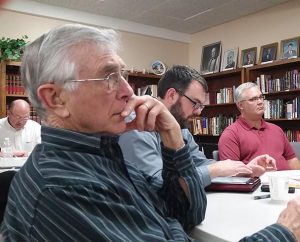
(185, 16)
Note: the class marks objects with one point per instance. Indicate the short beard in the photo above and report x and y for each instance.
(176, 111)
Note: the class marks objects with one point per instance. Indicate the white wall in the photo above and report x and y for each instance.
(138, 51)
(272, 25)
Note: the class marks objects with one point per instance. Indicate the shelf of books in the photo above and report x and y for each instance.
(143, 83)
(220, 109)
(280, 83)
(11, 88)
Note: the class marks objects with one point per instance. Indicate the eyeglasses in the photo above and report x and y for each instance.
(255, 99)
(19, 118)
(196, 105)
(113, 79)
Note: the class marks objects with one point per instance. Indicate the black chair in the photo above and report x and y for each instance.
(296, 147)
(215, 155)
(5, 180)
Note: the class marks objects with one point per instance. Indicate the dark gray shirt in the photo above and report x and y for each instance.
(76, 187)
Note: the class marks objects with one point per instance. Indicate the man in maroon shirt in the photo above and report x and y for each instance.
(251, 136)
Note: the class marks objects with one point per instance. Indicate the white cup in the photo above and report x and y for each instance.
(28, 147)
(279, 186)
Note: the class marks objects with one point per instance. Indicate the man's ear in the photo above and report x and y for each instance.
(239, 105)
(53, 99)
(171, 95)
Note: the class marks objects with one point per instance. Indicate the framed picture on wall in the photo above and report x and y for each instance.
(211, 58)
(229, 61)
(289, 48)
(268, 53)
(248, 57)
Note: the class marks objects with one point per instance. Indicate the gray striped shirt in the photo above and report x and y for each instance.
(76, 187)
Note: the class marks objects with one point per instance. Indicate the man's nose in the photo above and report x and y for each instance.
(197, 112)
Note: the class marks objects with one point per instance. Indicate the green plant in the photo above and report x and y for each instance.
(12, 49)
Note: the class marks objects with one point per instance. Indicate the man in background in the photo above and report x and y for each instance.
(230, 60)
(248, 60)
(251, 136)
(267, 56)
(182, 90)
(290, 52)
(212, 64)
(23, 133)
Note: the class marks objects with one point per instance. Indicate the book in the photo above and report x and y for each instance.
(234, 184)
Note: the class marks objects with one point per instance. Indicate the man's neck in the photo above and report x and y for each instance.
(253, 122)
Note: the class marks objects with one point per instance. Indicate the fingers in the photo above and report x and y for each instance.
(290, 217)
(141, 121)
(233, 168)
(150, 113)
(243, 170)
(257, 170)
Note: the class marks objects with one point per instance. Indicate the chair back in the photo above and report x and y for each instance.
(296, 147)
(215, 154)
(5, 180)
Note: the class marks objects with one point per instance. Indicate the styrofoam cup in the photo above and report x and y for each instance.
(279, 186)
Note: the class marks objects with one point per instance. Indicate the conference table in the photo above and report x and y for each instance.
(14, 163)
(232, 216)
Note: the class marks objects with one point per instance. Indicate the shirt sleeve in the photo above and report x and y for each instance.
(188, 209)
(200, 160)
(228, 145)
(143, 150)
(272, 233)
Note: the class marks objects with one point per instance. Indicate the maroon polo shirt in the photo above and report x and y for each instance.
(240, 141)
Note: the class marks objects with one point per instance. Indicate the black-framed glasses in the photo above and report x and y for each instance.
(255, 99)
(196, 105)
(113, 79)
(18, 117)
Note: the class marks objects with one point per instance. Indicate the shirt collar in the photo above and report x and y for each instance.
(243, 122)
(8, 125)
(68, 139)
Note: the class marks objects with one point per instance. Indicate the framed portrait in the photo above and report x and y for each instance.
(289, 48)
(268, 53)
(211, 58)
(229, 61)
(248, 57)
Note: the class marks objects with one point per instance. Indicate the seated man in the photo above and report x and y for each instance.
(75, 185)
(251, 136)
(182, 90)
(23, 133)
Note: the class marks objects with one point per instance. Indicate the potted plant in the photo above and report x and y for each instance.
(11, 49)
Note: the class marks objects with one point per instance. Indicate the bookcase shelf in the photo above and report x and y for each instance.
(280, 83)
(9, 81)
(143, 83)
(220, 110)
(218, 105)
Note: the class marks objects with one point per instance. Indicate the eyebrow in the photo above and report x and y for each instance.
(110, 68)
(195, 99)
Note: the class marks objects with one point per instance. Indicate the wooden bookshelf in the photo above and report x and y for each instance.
(139, 81)
(220, 103)
(280, 81)
(11, 87)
